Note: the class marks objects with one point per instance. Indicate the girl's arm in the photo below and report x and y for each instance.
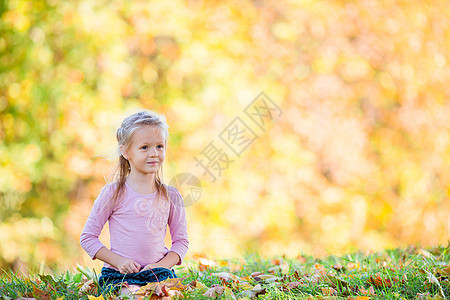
(124, 265)
(99, 215)
(177, 225)
(168, 261)
(90, 242)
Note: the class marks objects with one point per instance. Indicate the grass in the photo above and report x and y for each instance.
(411, 273)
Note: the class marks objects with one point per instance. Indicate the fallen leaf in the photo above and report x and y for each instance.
(197, 284)
(46, 279)
(255, 274)
(291, 285)
(88, 287)
(175, 283)
(215, 291)
(378, 281)
(267, 277)
(90, 297)
(254, 292)
(38, 293)
(370, 291)
(244, 285)
(153, 288)
(334, 281)
(226, 276)
(329, 291)
(161, 288)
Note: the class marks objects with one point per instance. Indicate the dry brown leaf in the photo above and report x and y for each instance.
(329, 291)
(38, 293)
(267, 277)
(292, 285)
(377, 280)
(334, 281)
(195, 284)
(88, 287)
(175, 283)
(161, 288)
(370, 291)
(254, 292)
(215, 291)
(226, 276)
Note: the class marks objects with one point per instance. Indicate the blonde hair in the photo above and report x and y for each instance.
(124, 137)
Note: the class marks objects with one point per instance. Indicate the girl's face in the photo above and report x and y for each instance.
(147, 150)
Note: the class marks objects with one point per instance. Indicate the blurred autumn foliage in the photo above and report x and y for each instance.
(359, 158)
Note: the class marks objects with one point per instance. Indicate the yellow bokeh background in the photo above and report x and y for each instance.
(357, 157)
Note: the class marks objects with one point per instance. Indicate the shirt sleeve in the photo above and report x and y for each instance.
(177, 224)
(100, 213)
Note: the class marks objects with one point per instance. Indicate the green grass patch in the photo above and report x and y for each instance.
(411, 273)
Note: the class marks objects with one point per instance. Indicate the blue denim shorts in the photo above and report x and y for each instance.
(111, 280)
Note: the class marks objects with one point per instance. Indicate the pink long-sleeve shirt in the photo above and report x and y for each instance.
(137, 225)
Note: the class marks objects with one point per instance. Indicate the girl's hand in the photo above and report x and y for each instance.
(127, 266)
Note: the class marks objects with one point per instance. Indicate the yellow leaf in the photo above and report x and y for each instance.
(201, 286)
(329, 291)
(40, 293)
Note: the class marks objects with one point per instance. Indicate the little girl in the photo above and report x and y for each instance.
(138, 206)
